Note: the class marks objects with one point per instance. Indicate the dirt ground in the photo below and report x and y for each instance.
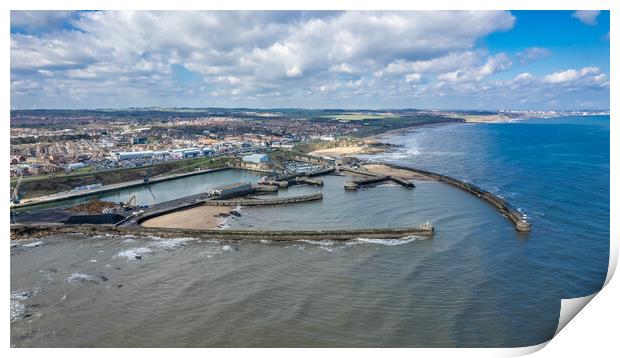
(401, 173)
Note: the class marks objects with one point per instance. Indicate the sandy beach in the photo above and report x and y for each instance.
(201, 217)
(492, 118)
(401, 173)
(346, 150)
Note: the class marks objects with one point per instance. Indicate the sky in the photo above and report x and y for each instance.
(321, 59)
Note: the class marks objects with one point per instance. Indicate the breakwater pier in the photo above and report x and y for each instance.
(372, 178)
(516, 217)
(20, 231)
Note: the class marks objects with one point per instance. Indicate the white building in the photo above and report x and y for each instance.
(133, 155)
(74, 166)
(255, 158)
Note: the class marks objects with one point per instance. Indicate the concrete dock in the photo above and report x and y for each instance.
(371, 178)
(270, 201)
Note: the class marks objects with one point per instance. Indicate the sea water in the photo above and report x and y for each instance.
(476, 283)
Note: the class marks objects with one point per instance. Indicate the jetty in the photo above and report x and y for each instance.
(259, 202)
(372, 178)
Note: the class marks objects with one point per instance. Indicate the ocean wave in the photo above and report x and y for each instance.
(34, 244)
(18, 308)
(135, 253)
(385, 242)
(105, 236)
(171, 244)
(217, 250)
(79, 277)
(25, 294)
(319, 242)
(18, 311)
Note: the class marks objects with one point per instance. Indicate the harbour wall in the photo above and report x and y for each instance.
(109, 188)
(34, 231)
(196, 201)
(257, 202)
(517, 218)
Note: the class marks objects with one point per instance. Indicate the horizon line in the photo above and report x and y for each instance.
(311, 108)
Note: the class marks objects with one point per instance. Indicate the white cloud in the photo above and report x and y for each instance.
(496, 63)
(342, 68)
(532, 54)
(450, 62)
(571, 75)
(588, 17)
(293, 71)
(142, 58)
(412, 77)
(524, 77)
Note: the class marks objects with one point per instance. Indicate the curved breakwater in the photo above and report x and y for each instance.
(512, 214)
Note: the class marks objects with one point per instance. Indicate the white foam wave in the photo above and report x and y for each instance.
(18, 308)
(217, 250)
(79, 277)
(24, 294)
(135, 253)
(106, 236)
(34, 244)
(385, 242)
(171, 244)
(319, 242)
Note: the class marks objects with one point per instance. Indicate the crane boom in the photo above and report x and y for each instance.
(15, 195)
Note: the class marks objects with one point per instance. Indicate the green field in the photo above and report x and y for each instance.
(360, 116)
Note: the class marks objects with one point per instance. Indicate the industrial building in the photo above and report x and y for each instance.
(207, 151)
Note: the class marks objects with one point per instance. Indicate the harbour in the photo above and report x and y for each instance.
(188, 276)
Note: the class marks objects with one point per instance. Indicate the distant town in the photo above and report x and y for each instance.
(58, 142)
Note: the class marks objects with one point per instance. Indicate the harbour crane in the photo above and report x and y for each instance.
(15, 195)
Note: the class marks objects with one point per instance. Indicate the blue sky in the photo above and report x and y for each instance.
(351, 59)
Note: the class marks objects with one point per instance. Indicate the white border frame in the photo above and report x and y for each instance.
(595, 325)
